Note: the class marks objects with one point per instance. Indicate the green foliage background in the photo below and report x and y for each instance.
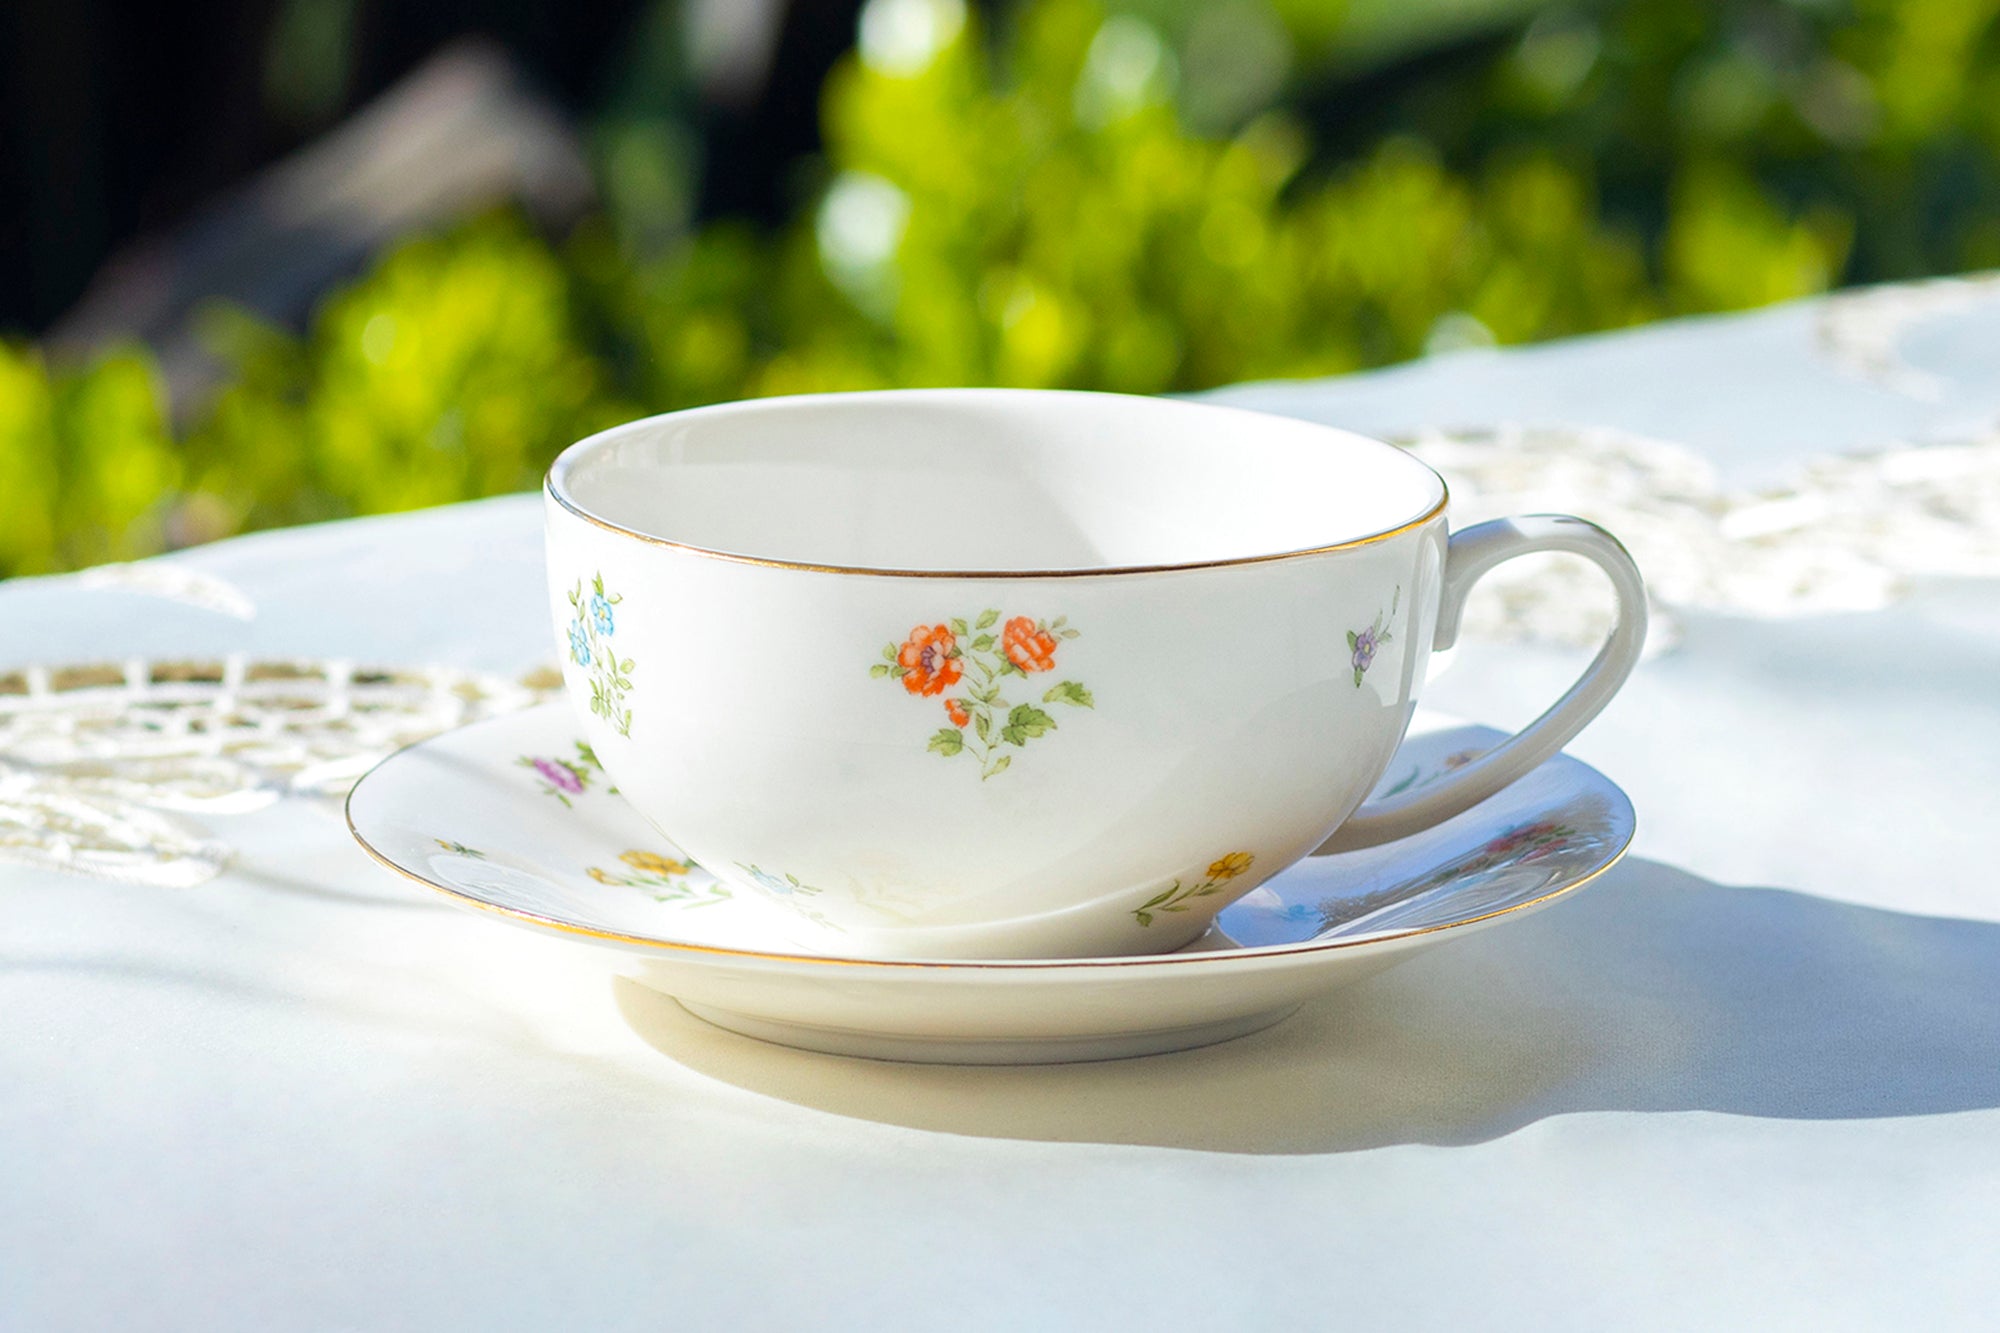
(1149, 197)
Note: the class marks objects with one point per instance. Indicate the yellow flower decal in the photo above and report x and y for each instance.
(654, 863)
(664, 879)
(1230, 866)
(1179, 896)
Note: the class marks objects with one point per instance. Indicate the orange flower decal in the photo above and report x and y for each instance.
(1028, 646)
(929, 659)
(980, 655)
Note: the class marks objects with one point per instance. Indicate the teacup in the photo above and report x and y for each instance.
(971, 673)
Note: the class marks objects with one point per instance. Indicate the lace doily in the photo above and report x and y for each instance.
(1862, 331)
(173, 583)
(92, 757)
(1847, 536)
(45, 824)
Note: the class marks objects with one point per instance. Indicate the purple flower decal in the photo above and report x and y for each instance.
(1362, 643)
(1364, 649)
(564, 778)
(558, 774)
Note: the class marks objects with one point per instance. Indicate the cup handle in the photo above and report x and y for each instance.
(1472, 552)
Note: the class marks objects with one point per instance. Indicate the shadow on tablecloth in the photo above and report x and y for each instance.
(1656, 991)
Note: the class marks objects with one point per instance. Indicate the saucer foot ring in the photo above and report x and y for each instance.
(985, 1050)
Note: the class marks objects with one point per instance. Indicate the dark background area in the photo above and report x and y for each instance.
(122, 119)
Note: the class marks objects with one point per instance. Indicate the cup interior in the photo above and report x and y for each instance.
(991, 481)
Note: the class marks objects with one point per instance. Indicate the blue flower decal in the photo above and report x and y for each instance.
(785, 886)
(590, 647)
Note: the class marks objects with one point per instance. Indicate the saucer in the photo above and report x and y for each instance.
(513, 817)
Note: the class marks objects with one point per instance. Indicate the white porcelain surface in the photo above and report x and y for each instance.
(549, 846)
(995, 763)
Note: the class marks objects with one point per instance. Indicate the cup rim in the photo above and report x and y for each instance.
(555, 487)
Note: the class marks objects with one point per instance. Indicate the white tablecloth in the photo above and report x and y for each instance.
(1751, 1079)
